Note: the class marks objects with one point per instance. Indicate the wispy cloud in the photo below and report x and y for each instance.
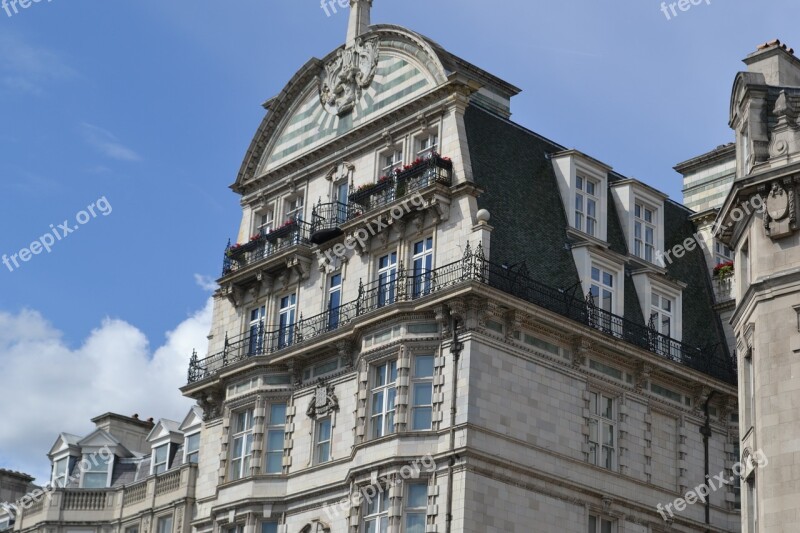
(206, 283)
(27, 68)
(107, 143)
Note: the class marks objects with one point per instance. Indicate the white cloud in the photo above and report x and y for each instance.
(107, 143)
(49, 387)
(26, 68)
(206, 283)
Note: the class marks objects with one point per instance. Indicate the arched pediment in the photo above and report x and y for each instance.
(301, 119)
(741, 83)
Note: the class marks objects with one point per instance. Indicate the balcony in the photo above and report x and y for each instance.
(472, 268)
(295, 233)
(723, 289)
(107, 505)
(329, 220)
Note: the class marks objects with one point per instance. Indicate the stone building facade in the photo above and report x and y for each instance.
(763, 112)
(436, 320)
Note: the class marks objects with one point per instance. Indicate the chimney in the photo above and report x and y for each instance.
(359, 20)
(777, 63)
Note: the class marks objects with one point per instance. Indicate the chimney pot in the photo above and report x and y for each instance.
(135, 416)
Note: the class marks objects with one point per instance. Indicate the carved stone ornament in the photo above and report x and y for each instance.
(777, 202)
(324, 401)
(343, 79)
(316, 527)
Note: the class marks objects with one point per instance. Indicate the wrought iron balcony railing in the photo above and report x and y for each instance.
(294, 233)
(473, 267)
(328, 218)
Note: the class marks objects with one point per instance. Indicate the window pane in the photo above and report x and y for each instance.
(423, 393)
(424, 367)
(275, 441)
(277, 415)
(417, 496)
(94, 481)
(415, 523)
(422, 418)
(274, 463)
(269, 527)
(193, 442)
(606, 528)
(325, 430)
(592, 524)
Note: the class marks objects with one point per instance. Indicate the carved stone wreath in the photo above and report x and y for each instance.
(344, 78)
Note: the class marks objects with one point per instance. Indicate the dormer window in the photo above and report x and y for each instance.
(60, 472)
(586, 202)
(160, 459)
(96, 471)
(644, 231)
(192, 448)
(583, 184)
(662, 310)
(662, 301)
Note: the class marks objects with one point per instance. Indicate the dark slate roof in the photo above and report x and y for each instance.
(521, 192)
(522, 195)
(702, 326)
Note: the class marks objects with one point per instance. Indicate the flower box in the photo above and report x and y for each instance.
(723, 270)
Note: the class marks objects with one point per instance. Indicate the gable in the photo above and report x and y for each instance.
(397, 80)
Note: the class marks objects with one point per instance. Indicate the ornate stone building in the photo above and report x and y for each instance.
(436, 320)
(764, 114)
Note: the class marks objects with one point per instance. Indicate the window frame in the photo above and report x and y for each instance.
(247, 435)
(294, 206)
(422, 149)
(109, 470)
(382, 511)
(641, 247)
(599, 522)
(417, 382)
(387, 390)
(318, 442)
(601, 421)
(388, 160)
(334, 292)
(154, 466)
(287, 313)
(660, 313)
(54, 477)
(387, 290)
(186, 452)
(162, 519)
(582, 193)
(408, 511)
(270, 427)
(422, 266)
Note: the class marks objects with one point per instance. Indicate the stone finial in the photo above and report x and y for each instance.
(359, 20)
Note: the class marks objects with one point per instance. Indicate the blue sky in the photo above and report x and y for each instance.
(152, 104)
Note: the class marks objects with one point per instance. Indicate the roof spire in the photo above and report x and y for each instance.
(359, 20)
